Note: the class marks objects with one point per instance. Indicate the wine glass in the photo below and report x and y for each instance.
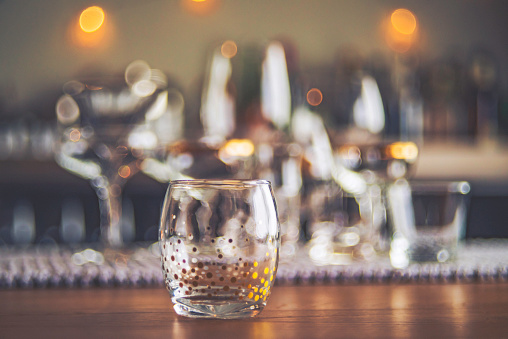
(105, 125)
(215, 149)
(257, 93)
(376, 126)
(245, 114)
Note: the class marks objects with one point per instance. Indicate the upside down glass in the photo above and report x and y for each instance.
(220, 243)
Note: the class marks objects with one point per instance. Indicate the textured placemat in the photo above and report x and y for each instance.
(38, 267)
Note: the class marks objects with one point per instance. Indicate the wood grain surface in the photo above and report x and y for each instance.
(329, 311)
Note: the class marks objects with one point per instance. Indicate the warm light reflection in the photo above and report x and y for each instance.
(91, 29)
(124, 172)
(200, 7)
(403, 21)
(403, 150)
(91, 19)
(239, 148)
(314, 97)
(401, 30)
(229, 49)
(75, 135)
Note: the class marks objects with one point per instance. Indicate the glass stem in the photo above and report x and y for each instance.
(110, 205)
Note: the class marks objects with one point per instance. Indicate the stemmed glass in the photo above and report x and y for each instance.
(106, 130)
(245, 115)
(376, 127)
(256, 99)
(212, 148)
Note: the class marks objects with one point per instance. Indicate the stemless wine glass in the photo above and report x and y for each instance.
(105, 127)
(220, 242)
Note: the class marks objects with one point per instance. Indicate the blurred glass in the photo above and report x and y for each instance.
(246, 115)
(106, 130)
(376, 126)
(429, 220)
(222, 149)
(376, 123)
(340, 229)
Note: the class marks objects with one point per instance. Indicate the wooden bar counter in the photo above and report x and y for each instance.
(459, 310)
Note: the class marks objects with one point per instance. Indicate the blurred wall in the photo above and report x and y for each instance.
(39, 51)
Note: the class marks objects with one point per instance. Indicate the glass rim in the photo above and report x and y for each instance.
(218, 182)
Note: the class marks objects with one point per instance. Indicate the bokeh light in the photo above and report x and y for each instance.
(67, 110)
(91, 28)
(239, 148)
(403, 150)
(91, 19)
(403, 21)
(124, 171)
(75, 135)
(200, 7)
(229, 49)
(401, 30)
(314, 97)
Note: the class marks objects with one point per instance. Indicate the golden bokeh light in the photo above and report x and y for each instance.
(229, 49)
(239, 148)
(200, 7)
(401, 30)
(124, 171)
(403, 21)
(234, 149)
(75, 135)
(91, 19)
(314, 97)
(91, 29)
(407, 151)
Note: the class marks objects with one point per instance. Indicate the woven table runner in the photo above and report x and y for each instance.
(477, 261)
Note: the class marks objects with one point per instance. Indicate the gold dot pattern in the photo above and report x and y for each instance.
(189, 274)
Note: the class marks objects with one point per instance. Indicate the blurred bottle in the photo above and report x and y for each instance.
(483, 96)
(443, 91)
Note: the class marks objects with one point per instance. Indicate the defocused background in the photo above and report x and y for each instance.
(457, 49)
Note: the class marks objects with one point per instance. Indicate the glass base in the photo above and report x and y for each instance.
(219, 308)
(430, 253)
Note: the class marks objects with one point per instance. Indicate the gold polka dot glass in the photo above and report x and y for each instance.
(220, 242)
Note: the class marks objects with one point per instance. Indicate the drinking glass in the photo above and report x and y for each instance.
(219, 241)
(106, 130)
(429, 220)
(376, 127)
(246, 111)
